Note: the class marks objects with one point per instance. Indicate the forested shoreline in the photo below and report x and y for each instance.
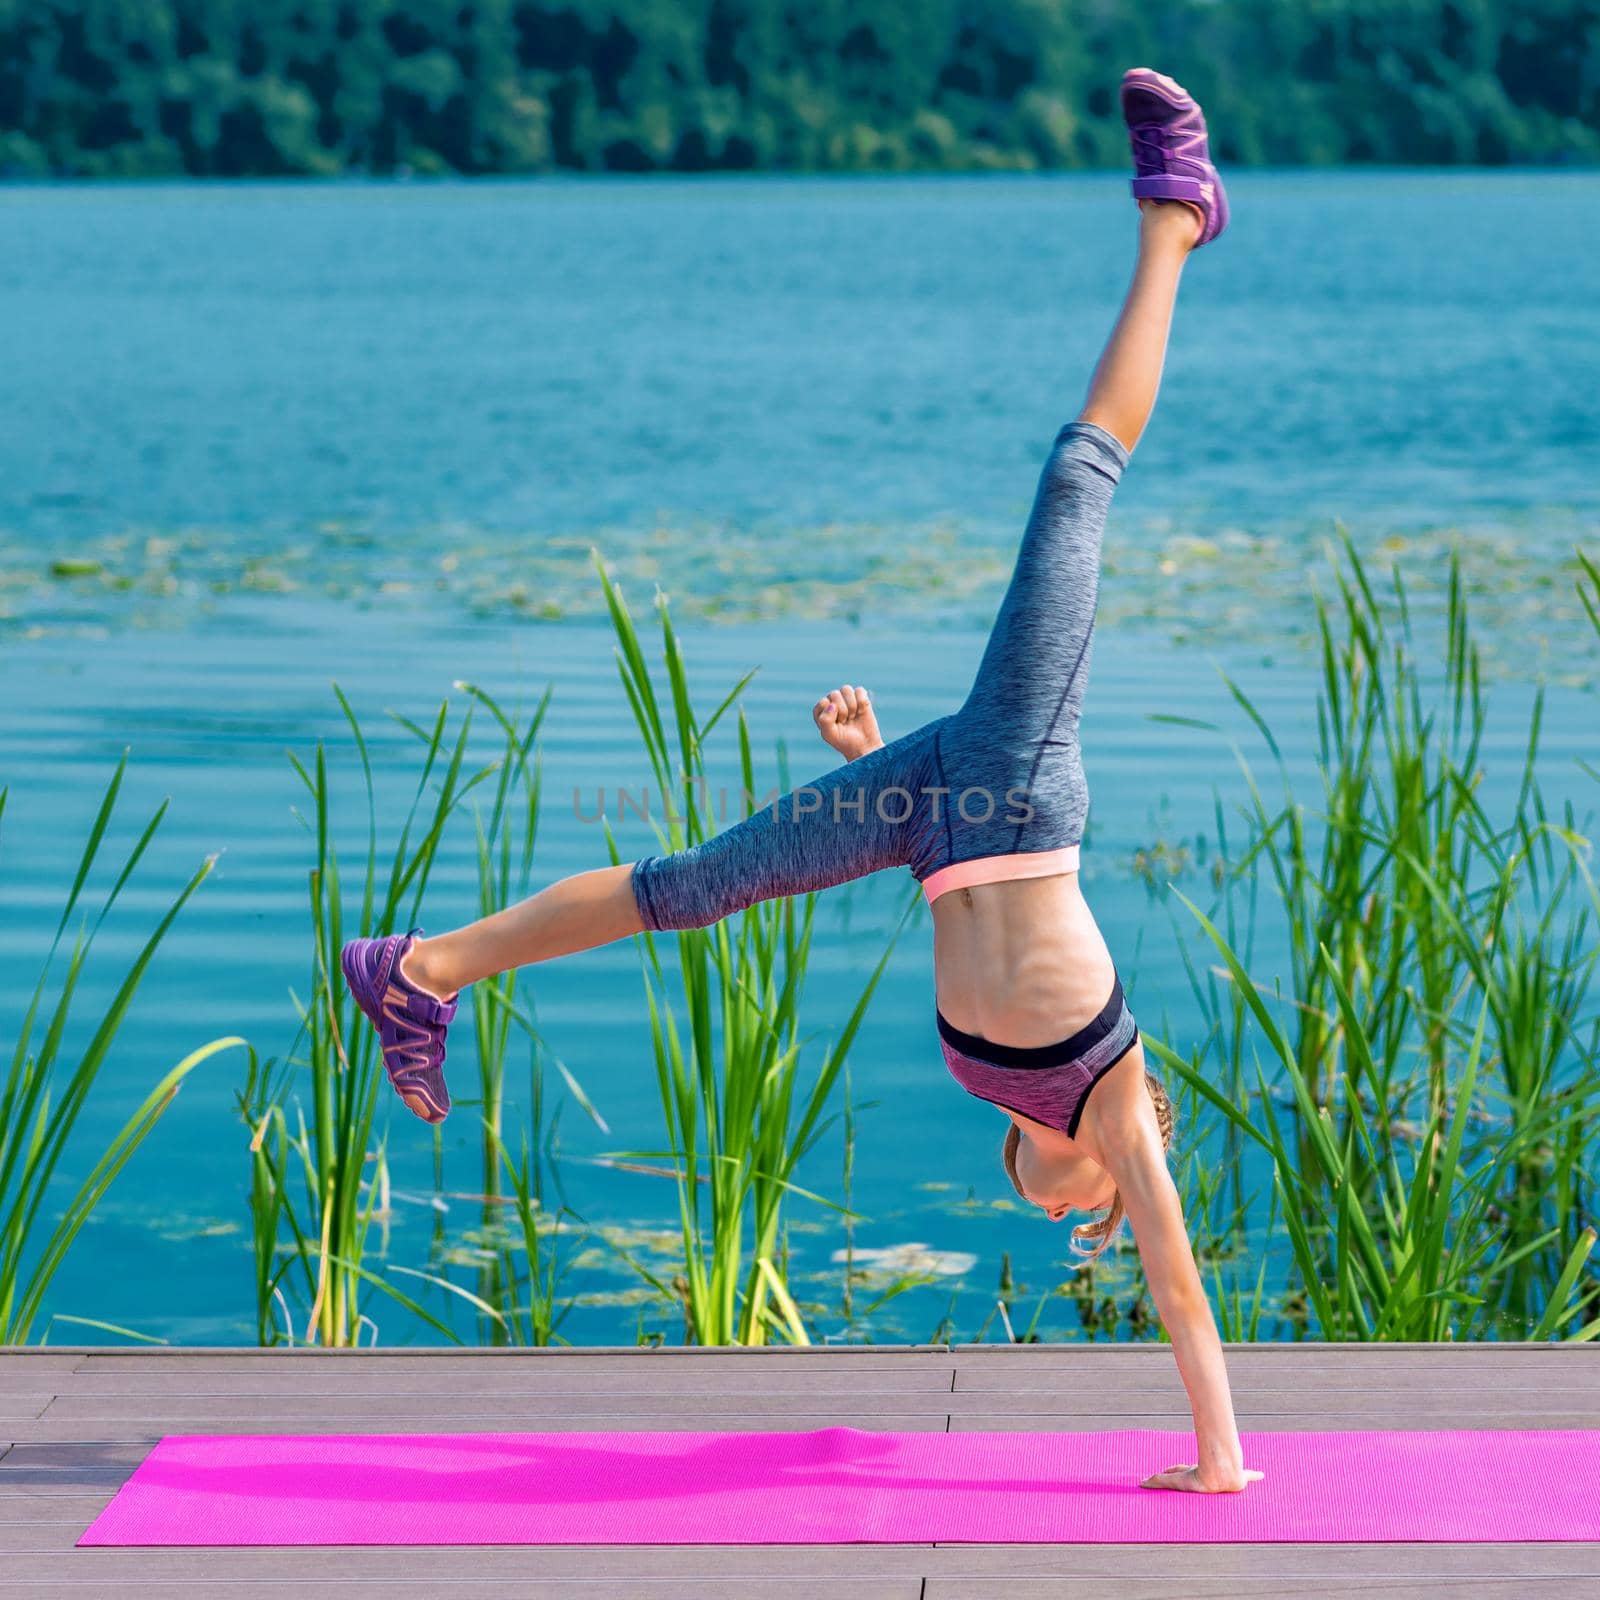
(322, 88)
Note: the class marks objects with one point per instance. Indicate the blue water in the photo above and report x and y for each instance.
(365, 380)
(818, 405)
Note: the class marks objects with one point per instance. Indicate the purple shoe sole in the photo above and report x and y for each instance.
(411, 1025)
(1171, 148)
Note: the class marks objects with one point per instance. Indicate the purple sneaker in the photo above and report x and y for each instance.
(410, 1024)
(1171, 156)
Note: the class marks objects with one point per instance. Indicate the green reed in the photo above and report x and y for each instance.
(519, 1277)
(504, 850)
(505, 842)
(525, 1285)
(47, 1084)
(319, 1170)
(725, 1019)
(1427, 1077)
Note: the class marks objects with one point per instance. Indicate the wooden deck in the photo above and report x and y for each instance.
(74, 1424)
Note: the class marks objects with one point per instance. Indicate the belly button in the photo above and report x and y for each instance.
(966, 897)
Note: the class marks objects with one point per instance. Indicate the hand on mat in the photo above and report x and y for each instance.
(1188, 1480)
(845, 720)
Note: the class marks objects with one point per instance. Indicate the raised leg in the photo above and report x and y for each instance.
(863, 817)
(1122, 393)
(577, 913)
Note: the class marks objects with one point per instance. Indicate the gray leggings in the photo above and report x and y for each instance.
(1002, 776)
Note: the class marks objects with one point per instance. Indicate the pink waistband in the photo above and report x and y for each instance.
(1000, 869)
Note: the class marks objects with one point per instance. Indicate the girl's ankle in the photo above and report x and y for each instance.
(417, 969)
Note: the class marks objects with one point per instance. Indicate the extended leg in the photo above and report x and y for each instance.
(577, 913)
(1122, 393)
(860, 818)
(1019, 725)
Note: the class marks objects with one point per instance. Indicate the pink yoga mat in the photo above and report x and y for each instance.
(841, 1486)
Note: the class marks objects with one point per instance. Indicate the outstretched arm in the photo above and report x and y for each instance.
(1130, 1143)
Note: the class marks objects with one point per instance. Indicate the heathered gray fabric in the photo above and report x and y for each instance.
(1002, 776)
(1053, 1095)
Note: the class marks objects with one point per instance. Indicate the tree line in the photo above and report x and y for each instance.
(106, 88)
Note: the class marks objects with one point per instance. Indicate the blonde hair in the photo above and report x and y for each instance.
(1091, 1238)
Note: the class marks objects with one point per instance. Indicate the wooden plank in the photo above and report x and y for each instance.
(60, 1480)
(1305, 1356)
(220, 1581)
(30, 1470)
(59, 1538)
(1474, 1348)
(532, 1588)
(510, 1410)
(145, 1431)
(855, 1357)
(1307, 1421)
(1327, 1564)
(1258, 1376)
(489, 1413)
(578, 1372)
(20, 1381)
(1257, 1588)
(21, 1408)
(1324, 1564)
(77, 1509)
(528, 1410)
(1470, 1357)
(1284, 1359)
(73, 1453)
(430, 1563)
(1552, 1408)
(144, 1435)
(500, 1382)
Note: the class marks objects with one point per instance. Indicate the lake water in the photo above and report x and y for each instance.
(290, 435)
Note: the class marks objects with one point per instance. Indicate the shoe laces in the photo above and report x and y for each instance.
(1158, 144)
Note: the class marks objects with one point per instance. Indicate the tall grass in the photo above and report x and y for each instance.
(520, 1272)
(319, 1170)
(47, 1083)
(725, 1018)
(525, 1287)
(504, 866)
(505, 841)
(1421, 1076)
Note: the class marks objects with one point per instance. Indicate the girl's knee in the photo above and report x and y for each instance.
(1086, 453)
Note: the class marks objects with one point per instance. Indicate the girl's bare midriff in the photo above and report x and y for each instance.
(1020, 963)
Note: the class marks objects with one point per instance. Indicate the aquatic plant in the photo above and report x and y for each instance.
(525, 1286)
(1428, 1076)
(725, 1020)
(504, 857)
(312, 1113)
(47, 1084)
(504, 869)
(1588, 587)
(520, 1273)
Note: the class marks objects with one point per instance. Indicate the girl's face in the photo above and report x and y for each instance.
(1059, 1182)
